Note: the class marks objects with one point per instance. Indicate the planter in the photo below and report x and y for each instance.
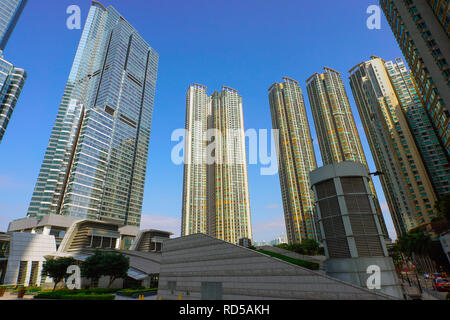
(136, 295)
(145, 294)
(21, 293)
(2, 292)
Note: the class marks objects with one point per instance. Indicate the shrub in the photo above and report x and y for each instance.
(74, 295)
(131, 292)
(301, 263)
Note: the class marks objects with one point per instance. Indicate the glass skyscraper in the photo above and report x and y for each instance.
(95, 163)
(335, 126)
(296, 158)
(10, 11)
(388, 106)
(215, 186)
(12, 81)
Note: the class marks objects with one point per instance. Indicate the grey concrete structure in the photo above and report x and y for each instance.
(201, 267)
(32, 240)
(26, 257)
(350, 230)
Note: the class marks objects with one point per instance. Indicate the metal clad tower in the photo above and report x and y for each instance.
(95, 163)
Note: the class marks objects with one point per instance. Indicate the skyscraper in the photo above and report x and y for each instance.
(296, 158)
(10, 12)
(95, 163)
(12, 81)
(433, 154)
(387, 102)
(422, 30)
(215, 185)
(335, 126)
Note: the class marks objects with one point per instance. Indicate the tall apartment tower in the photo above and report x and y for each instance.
(422, 30)
(95, 163)
(10, 13)
(335, 126)
(12, 79)
(388, 105)
(296, 158)
(215, 185)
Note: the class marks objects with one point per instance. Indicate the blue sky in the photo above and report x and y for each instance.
(247, 45)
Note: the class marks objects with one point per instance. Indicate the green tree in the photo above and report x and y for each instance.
(443, 207)
(117, 266)
(416, 241)
(92, 268)
(57, 269)
(114, 265)
(310, 247)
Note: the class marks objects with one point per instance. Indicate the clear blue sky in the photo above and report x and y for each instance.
(247, 45)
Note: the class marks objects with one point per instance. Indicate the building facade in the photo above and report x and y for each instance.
(10, 13)
(434, 156)
(421, 29)
(384, 99)
(296, 158)
(215, 185)
(12, 81)
(335, 126)
(95, 162)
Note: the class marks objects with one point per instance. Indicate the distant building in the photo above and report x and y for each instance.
(281, 239)
(350, 230)
(245, 242)
(260, 243)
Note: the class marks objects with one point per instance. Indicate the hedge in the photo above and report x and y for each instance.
(301, 263)
(131, 292)
(77, 296)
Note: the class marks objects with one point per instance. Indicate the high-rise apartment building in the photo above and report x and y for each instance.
(388, 105)
(215, 185)
(10, 11)
(296, 158)
(335, 126)
(421, 28)
(433, 154)
(12, 81)
(95, 163)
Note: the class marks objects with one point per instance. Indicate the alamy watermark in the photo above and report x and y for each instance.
(374, 280)
(73, 22)
(374, 20)
(227, 147)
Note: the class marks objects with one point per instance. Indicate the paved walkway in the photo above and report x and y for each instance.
(13, 296)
